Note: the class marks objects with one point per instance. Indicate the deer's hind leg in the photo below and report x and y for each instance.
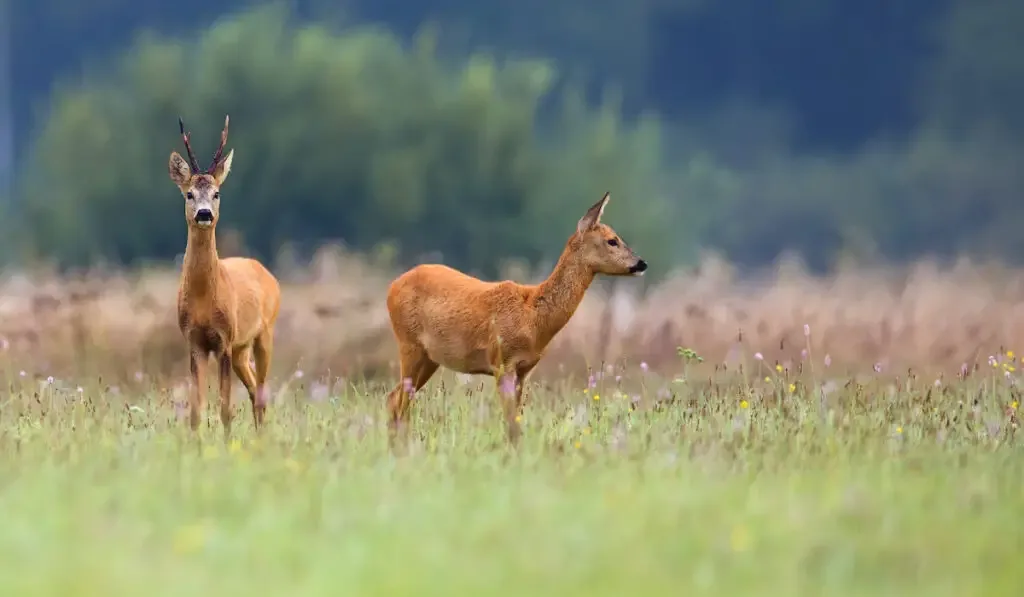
(416, 370)
(240, 363)
(263, 351)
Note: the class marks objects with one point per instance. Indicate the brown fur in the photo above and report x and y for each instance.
(443, 317)
(226, 307)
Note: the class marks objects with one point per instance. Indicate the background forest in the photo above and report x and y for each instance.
(477, 132)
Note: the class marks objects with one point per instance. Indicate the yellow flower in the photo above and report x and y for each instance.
(1014, 405)
(1010, 369)
(792, 388)
(577, 445)
(597, 397)
(235, 447)
(190, 539)
(744, 404)
(778, 368)
(519, 418)
(739, 539)
(768, 379)
(899, 429)
(1009, 354)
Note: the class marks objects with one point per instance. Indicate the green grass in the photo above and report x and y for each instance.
(867, 491)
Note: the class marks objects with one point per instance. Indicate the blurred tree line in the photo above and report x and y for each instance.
(481, 130)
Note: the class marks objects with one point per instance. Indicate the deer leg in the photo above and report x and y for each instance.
(521, 372)
(224, 369)
(263, 351)
(197, 365)
(416, 370)
(240, 363)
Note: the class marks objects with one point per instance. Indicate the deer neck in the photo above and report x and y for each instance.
(558, 297)
(199, 268)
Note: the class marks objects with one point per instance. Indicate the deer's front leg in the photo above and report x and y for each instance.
(226, 414)
(197, 402)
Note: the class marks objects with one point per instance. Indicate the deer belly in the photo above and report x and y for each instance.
(456, 355)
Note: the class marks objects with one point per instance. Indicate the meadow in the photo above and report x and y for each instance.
(789, 435)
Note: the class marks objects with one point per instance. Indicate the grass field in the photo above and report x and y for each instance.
(765, 483)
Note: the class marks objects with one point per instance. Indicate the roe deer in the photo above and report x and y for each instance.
(226, 307)
(441, 316)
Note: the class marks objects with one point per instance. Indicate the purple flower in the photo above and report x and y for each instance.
(319, 392)
(591, 382)
(878, 367)
(508, 385)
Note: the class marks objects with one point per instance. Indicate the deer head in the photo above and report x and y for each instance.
(603, 251)
(201, 189)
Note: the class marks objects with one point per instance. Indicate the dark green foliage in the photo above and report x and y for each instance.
(338, 136)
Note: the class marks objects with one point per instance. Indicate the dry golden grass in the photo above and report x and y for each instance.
(333, 319)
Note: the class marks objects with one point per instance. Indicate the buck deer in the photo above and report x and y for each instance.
(441, 316)
(226, 307)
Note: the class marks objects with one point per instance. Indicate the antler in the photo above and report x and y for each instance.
(220, 150)
(188, 148)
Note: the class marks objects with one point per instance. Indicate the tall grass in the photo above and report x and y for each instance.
(757, 483)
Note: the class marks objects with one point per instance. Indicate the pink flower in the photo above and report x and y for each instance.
(758, 356)
(828, 360)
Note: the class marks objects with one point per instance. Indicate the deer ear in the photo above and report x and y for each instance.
(223, 168)
(593, 216)
(179, 169)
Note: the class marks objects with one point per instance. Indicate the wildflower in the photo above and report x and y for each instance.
(591, 382)
(22, 373)
(508, 385)
(792, 388)
(643, 366)
(299, 374)
(803, 354)
(767, 379)
(519, 418)
(778, 367)
(758, 356)
(878, 367)
(1014, 405)
(807, 330)
(744, 404)
(739, 539)
(235, 447)
(577, 445)
(899, 429)
(138, 376)
(938, 383)
(1009, 354)
(597, 396)
(992, 361)
(190, 539)
(49, 380)
(80, 389)
(1010, 369)
(618, 378)
(828, 360)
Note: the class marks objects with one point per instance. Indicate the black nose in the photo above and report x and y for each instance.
(204, 215)
(639, 267)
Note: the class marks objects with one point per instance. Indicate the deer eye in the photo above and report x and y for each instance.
(216, 195)
(613, 242)
(189, 196)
